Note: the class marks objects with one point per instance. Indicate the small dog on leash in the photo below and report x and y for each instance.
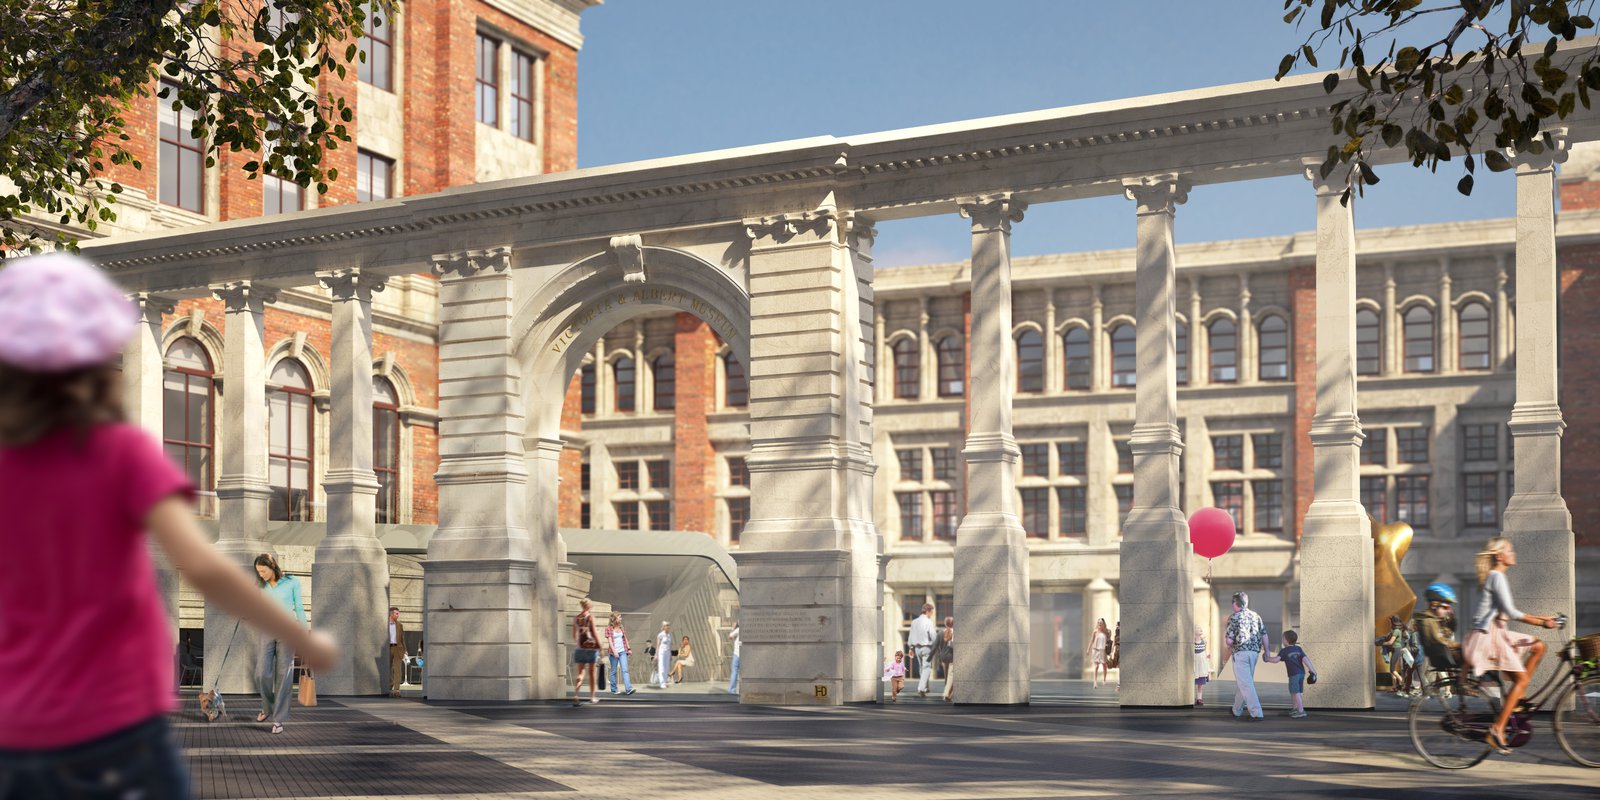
(212, 705)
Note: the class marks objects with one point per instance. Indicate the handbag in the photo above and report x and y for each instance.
(308, 689)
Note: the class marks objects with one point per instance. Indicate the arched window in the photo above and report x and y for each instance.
(664, 374)
(1182, 351)
(290, 422)
(1273, 339)
(1030, 361)
(1474, 352)
(907, 369)
(735, 390)
(386, 449)
(189, 394)
(1124, 356)
(1223, 337)
(1080, 362)
(952, 367)
(1369, 342)
(587, 387)
(622, 373)
(1419, 339)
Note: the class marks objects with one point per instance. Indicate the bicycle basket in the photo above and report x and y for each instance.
(1588, 647)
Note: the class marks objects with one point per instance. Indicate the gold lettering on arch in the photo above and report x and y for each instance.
(668, 297)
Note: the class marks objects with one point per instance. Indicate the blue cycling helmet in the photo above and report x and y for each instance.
(1440, 592)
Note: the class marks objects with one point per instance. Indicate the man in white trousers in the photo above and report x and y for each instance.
(920, 640)
(1244, 644)
(663, 656)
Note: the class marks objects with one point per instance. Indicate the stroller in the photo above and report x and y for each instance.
(212, 706)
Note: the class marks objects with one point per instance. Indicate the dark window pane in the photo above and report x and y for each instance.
(587, 384)
(907, 369)
(1227, 452)
(1369, 343)
(1481, 493)
(946, 517)
(1036, 459)
(1480, 442)
(1079, 361)
(910, 515)
(660, 515)
(1268, 450)
(1269, 505)
(1229, 496)
(1124, 456)
(738, 471)
(1474, 333)
(1375, 497)
(1274, 349)
(1411, 500)
(1124, 493)
(1224, 340)
(665, 374)
(1036, 512)
(1073, 511)
(660, 474)
(1071, 458)
(622, 374)
(952, 367)
(944, 463)
(1419, 341)
(627, 475)
(736, 392)
(1124, 356)
(1375, 448)
(488, 82)
(738, 516)
(628, 516)
(910, 464)
(1030, 361)
(1411, 445)
(1182, 353)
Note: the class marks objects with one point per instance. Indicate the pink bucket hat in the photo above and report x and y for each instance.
(58, 312)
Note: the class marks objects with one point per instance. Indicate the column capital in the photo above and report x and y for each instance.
(1337, 181)
(780, 228)
(1545, 154)
(244, 295)
(859, 232)
(629, 252)
(467, 263)
(351, 283)
(992, 212)
(1157, 194)
(152, 307)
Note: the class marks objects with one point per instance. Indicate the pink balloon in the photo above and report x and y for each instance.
(1211, 532)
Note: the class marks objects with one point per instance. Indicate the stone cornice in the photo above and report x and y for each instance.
(557, 19)
(468, 263)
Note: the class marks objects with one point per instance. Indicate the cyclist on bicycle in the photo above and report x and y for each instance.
(1491, 646)
(1436, 627)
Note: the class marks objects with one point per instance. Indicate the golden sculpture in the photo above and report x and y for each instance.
(1391, 596)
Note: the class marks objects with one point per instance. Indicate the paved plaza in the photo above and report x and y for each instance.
(1073, 742)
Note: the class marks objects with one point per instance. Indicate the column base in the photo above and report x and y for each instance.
(479, 621)
(1336, 606)
(992, 625)
(352, 603)
(810, 624)
(1544, 583)
(1157, 605)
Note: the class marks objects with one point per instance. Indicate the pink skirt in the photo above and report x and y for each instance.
(1496, 649)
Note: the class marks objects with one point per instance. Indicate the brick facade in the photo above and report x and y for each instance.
(694, 488)
(569, 500)
(1580, 385)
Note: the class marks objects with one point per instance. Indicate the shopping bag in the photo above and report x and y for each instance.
(308, 689)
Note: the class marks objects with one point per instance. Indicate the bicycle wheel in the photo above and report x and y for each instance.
(1578, 722)
(1447, 728)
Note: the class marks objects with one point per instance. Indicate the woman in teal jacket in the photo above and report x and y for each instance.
(275, 665)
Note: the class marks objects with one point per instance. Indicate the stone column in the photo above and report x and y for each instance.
(481, 576)
(143, 402)
(1100, 497)
(603, 485)
(1199, 369)
(243, 493)
(351, 570)
(551, 620)
(1336, 544)
(927, 361)
(1054, 378)
(1393, 336)
(808, 559)
(1537, 520)
(1099, 348)
(1502, 315)
(1449, 346)
(1244, 347)
(991, 554)
(1157, 606)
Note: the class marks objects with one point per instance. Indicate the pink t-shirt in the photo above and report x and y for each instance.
(85, 648)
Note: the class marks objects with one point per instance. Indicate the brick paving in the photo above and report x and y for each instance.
(708, 748)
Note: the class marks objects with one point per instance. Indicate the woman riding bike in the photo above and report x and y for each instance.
(1491, 646)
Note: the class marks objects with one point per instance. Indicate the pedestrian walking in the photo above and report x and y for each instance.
(894, 673)
(617, 652)
(921, 640)
(944, 653)
(1243, 646)
(275, 658)
(1394, 645)
(1114, 656)
(1099, 645)
(1490, 645)
(588, 652)
(397, 652)
(87, 677)
(1202, 666)
(1299, 666)
(685, 659)
(663, 657)
(733, 676)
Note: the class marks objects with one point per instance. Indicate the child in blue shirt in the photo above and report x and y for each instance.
(1296, 661)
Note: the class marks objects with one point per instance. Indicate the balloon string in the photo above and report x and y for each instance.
(1208, 571)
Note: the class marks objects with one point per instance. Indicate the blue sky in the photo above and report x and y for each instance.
(668, 77)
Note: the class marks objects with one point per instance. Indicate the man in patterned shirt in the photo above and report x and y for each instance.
(1244, 643)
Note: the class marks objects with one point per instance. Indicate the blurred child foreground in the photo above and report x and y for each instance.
(86, 677)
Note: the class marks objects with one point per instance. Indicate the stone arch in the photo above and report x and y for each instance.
(202, 331)
(387, 367)
(315, 365)
(556, 328)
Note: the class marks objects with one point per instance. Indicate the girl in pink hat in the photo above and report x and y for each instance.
(86, 668)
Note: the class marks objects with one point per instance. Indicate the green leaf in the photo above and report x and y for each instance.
(1284, 66)
(1407, 59)
(1330, 82)
(1392, 134)
(1496, 161)
(1311, 55)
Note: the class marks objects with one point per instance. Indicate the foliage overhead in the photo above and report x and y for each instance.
(1492, 81)
(71, 70)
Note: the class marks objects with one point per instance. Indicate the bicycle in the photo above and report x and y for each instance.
(1449, 726)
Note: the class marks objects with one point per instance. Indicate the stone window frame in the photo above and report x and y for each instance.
(374, 159)
(315, 406)
(1216, 318)
(1497, 460)
(369, 34)
(1481, 302)
(196, 326)
(732, 496)
(905, 360)
(1033, 502)
(1121, 378)
(1251, 476)
(1036, 383)
(381, 407)
(653, 364)
(1264, 317)
(613, 364)
(1383, 428)
(1410, 334)
(950, 379)
(508, 47)
(1375, 310)
(486, 56)
(182, 144)
(588, 387)
(207, 482)
(1053, 480)
(933, 492)
(1406, 497)
(1086, 359)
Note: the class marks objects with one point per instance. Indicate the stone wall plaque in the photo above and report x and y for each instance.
(793, 625)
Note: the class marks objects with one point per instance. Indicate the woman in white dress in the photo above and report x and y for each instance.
(1202, 666)
(1097, 651)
